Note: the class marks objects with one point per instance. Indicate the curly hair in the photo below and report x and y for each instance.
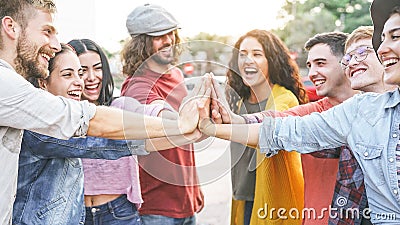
(282, 69)
(138, 49)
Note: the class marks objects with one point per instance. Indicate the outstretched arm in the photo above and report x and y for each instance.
(118, 124)
(90, 147)
(314, 132)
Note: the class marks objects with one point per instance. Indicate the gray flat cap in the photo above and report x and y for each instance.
(150, 19)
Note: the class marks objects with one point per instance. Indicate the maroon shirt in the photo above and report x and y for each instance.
(168, 178)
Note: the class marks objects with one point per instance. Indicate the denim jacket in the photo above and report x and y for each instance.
(50, 178)
(23, 106)
(369, 124)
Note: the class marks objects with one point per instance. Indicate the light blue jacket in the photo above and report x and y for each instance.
(369, 124)
(50, 177)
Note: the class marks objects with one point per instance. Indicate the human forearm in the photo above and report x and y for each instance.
(118, 124)
(236, 119)
(246, 134)
(90, 147)
(157, 144)
(306, 134)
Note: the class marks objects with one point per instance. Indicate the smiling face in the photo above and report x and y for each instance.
(163, 48)
(66, 77)
(92, 75)
(368, 73)
(36, 45)
(325, 71)
(389, 50)
(253, 65)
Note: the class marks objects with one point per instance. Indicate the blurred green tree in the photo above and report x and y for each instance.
(210, 52)
(305, 18)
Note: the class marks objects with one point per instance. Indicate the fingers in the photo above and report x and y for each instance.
(203, 105)
(203, 111)
(218, 89)
(214, 101)
(222, 103)
(199, 87)
(216, 117)
(213, 91)
(225, 115)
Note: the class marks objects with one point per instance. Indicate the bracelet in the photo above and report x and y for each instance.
(251, 118)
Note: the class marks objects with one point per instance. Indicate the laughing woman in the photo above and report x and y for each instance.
(112, 190)
(262, 76)
(50, 178)
(112, 187)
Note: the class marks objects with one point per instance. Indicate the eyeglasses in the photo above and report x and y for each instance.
(360, 54)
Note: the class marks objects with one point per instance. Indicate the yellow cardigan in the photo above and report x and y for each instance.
(279, 179)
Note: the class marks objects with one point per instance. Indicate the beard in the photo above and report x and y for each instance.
(27, 61)
(163, 59)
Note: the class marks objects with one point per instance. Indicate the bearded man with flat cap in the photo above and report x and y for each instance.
(169, 182)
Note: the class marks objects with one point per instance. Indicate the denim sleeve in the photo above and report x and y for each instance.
(310, 133)
(90, 147)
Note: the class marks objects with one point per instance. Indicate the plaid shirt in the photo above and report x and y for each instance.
(349, 191)
(349, 194)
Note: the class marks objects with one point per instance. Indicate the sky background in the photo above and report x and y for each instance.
(104, 21)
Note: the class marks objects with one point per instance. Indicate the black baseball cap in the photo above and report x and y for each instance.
(380, 11)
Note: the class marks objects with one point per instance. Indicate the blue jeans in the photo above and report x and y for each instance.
(248, 208)
(164, 220)
(119, 211)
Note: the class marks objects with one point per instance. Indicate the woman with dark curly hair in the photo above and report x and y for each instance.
(263, 76)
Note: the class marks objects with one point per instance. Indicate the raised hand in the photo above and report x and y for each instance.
(201, 85)
(205, 124)
(188, 112)
(220, 110)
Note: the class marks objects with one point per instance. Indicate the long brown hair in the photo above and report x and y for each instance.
(138, 49)
(282, 69)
